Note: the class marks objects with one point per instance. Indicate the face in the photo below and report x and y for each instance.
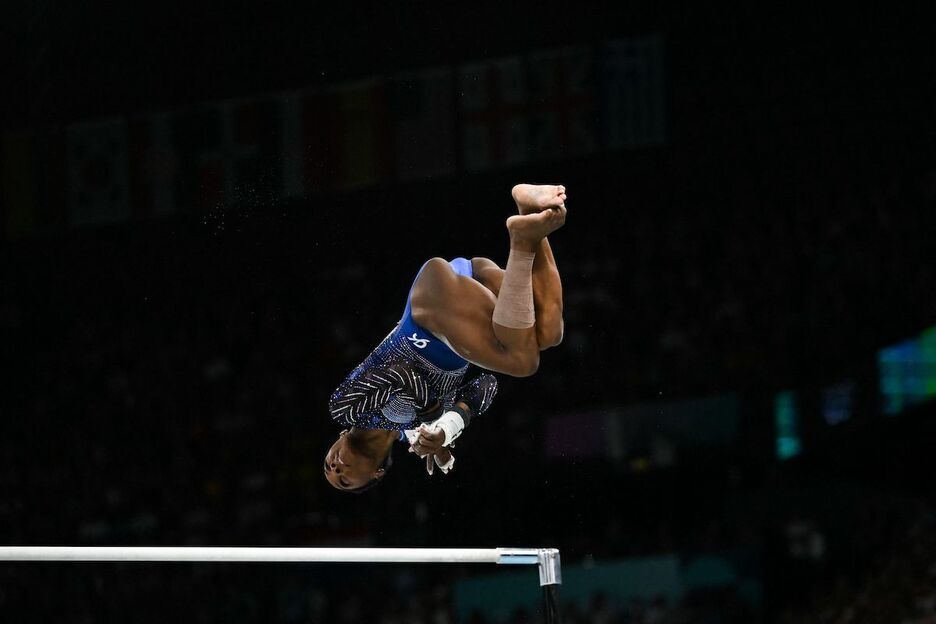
(346, 468)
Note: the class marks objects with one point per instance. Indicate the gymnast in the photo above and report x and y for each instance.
(461, 312)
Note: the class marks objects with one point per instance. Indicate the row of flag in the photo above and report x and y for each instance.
(552, 104)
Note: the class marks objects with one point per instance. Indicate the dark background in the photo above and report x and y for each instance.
(166, 378)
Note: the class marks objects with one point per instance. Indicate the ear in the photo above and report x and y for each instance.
(380, 473)
(343, 433)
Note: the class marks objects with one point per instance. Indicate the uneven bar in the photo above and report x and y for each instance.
(546, 558)
(222, 554)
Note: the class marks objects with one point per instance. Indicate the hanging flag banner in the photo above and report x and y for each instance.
(424, 118)
(198, 140)
(347, 136)
(633, 107)
(229, 154)
(494, 113)
(552, 104)
(563, 103)
(153, 165)
(98, 181)
(18, 184)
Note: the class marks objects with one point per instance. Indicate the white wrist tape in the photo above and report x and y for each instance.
(452, 424)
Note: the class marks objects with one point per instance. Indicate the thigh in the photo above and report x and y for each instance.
(458, 310)
(488, 273)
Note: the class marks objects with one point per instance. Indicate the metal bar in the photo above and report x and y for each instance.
(551, 611)
(529, 556)
(550, 569)
(547, 559)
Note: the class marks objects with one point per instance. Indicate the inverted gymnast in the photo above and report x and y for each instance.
(412, 386)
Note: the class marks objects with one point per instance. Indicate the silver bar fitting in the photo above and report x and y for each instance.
(550, 568)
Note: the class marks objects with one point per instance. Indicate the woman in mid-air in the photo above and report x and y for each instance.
(413, 386)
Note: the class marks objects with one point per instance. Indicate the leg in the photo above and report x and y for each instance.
(496, 333)
(547, 292)
(547, 286)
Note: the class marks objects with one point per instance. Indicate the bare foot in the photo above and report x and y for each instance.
(526, 231)
(532, 198)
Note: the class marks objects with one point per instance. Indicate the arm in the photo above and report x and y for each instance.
(357, 402)
(471, 400)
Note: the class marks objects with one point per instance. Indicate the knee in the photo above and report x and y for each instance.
(549, 329)
(549, 336)
(527, 365)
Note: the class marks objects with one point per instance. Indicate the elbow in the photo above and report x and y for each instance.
(339, 411)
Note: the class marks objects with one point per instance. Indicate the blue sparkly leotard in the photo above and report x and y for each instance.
(410, 370)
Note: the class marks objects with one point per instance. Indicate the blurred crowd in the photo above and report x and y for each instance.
(167, 384)
(897, 585)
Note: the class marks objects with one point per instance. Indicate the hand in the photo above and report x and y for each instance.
(443, 459)
(429, 442)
